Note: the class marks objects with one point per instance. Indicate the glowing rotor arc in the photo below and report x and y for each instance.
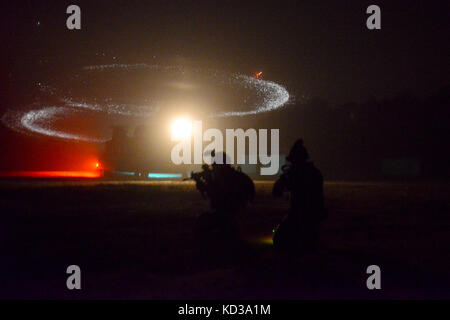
(40, 120)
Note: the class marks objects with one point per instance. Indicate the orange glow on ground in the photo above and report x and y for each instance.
(268, 240)
(265, 240)
(50, 174)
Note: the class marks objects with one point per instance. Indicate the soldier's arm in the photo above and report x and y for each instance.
(279, 187)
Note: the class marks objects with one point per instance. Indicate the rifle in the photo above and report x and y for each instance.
(282, 182)
(200, 183)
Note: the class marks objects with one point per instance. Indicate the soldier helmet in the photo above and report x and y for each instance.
(220, 154)
(298, 152)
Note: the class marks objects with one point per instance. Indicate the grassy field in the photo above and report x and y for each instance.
(134, 240)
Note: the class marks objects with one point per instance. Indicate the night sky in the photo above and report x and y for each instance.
(319, 50)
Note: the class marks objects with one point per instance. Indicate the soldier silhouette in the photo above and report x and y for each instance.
(299, 230)
(229, 190)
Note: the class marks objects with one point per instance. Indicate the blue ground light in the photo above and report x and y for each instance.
(124, 173)
(152, 175)
(165, 175)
